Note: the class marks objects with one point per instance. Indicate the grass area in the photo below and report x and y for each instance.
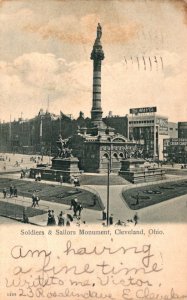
(16, 211)
(154, 193)
(53, 193)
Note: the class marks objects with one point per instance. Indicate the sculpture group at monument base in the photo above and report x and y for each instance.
(134, 171)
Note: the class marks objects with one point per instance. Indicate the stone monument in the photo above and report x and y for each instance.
(134, 170)
(64, 165)
(65, 162)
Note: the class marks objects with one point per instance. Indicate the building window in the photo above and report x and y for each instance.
(115, 155)
(105, 155)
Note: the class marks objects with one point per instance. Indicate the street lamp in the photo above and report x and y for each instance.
(108, 191)
(109, 165)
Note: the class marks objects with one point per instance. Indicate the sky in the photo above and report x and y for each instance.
(45, 49)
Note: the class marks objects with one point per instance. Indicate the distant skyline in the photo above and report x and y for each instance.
(45, 53)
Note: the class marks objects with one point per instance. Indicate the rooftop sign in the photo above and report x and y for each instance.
(142, 110)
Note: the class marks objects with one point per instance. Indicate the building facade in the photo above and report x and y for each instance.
(175, 150)
(146, 126)
(182, 130)
(119, 123)
(173, 130)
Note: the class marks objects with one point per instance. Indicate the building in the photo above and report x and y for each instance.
(173, 130)
(182, 130)
(146, 126)
(175, 150)
(119, 123)
(39, 134)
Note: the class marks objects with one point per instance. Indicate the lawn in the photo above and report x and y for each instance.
(53, 193)
(16, 211)
(153, 194)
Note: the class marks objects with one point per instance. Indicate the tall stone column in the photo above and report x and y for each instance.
(97, 56)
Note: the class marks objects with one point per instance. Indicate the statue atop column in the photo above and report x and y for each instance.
(99, 31)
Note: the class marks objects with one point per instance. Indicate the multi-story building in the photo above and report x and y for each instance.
(119, 123)
(182, 130)
(173, 130)
(175, 150)
(147, 126)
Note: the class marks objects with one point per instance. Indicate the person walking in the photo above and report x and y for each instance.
(37, 199)
(49, 220)
(60, 219)
(11, 191)
(137, 199)
(104, 215)
(15, 191)
(53, 221)
(111, 219)
(135, 218)
(61, 179)
(33, 200)
(4, 192)
(79, 209)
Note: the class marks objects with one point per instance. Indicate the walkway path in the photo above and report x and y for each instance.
(173, 210)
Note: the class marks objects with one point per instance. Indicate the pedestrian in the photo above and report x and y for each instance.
(15, 191)
(79, 209)
(137, 199)
(76, 182)
(49, 220)
(60, 219)
(11, 191)
(33, 200)
(37, 199)
(53, 221)
(135, 218)
(25, 217)
(103, 215)
(39, 176)
(36, 177)
(119, 223)
(4, 192)
(111, 220)
(61, 179)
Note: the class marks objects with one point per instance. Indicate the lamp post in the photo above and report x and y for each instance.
(109, 165)
(108, 191)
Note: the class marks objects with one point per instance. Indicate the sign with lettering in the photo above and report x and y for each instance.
(163, 125)
(142, 110)
(176, 142)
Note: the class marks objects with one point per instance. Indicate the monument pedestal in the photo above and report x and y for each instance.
(61, 167)
(134, 171)
(67, 166)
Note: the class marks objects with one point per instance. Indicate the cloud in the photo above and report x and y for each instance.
(65, 29)
(27, 81)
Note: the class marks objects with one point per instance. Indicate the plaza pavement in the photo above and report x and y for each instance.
(170, 211)
(173, 210)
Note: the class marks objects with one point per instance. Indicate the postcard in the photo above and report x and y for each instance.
(93, 149)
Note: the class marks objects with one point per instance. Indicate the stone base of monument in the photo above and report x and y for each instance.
(134, 171)
(65, 167)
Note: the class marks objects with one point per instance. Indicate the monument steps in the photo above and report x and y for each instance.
(101, 179)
